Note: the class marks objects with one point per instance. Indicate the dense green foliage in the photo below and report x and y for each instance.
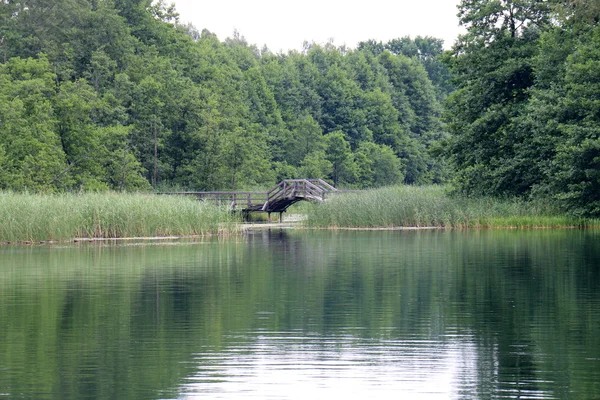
(524, 117)
(430, 206)
(27, 217)
(116, 94)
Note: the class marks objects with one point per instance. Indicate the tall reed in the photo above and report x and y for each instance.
(430, 206)
(33, 217)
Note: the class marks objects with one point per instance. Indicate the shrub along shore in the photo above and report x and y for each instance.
(34, 218)
(60, 217)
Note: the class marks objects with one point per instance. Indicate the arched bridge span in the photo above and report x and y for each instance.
(278, 199)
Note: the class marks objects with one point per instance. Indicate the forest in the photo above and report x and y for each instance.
(100, 95)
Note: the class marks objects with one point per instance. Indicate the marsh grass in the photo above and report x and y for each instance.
(430, 206)
(33, 217)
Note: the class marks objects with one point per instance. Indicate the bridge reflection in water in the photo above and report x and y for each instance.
(278, 199)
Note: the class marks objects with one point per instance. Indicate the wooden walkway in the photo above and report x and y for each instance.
(278, 199)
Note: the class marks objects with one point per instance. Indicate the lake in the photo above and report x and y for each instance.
(281, 314)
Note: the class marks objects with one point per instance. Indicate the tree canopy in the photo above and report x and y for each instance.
(117, 94)
(524, 116)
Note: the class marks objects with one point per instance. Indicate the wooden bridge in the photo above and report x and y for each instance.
(278, 199)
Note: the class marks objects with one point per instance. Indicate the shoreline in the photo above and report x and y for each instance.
(112, 217)
(248, 228)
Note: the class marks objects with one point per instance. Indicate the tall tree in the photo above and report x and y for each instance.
(488, 20)
(341, 158)
(493, 66)
(32, 154)
(564, 119)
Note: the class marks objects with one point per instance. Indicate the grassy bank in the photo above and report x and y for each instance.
(411, 206)
(29, 217)
(32, 218)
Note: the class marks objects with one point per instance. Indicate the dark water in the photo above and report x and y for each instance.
(305, 315)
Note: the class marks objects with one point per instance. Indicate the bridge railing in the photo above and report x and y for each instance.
(278, 192)
(315, 189)
(299, 188)
(322, 184)
(312, 189)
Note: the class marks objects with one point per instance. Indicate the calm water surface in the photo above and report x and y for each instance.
(297, 315)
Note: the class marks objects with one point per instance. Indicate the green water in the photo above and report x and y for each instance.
(297, 315)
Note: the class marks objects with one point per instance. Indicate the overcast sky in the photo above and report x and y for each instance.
(284, 25)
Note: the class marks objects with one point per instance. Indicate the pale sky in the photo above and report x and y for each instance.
(285, 25)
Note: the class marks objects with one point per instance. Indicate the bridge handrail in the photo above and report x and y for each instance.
(286, 191)
(276, 187)
(313, 186)
(275, 192)
(320, 182)
(278, 192)
(289, 188)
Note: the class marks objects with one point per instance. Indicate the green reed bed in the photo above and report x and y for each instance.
(430, 206)
(32, 217)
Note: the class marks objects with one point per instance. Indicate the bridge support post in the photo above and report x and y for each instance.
(269, 214)
(281, 217)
